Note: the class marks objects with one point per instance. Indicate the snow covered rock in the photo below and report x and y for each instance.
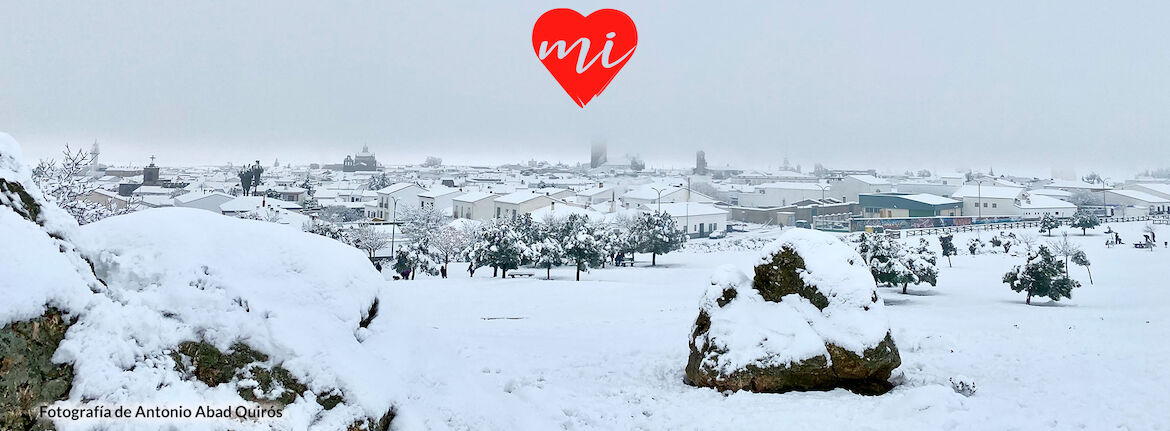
(173, 308)
(43, 283)
(811, 319)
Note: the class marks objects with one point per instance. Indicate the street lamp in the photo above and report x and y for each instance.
(823, 187)
(393, 224)
(979, 203)
(659, 190)
(1104, 205)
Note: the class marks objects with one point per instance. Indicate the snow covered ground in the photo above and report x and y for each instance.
(608, 352)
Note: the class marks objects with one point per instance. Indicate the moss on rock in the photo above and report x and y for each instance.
(29, 208)
(28, 376)
(780, 276)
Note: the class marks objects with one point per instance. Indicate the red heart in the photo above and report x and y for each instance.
(584, 53)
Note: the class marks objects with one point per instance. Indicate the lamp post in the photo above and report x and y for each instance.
(979, 203)
(1104, 205)
(393, 225)
(823, 187)
(659, 200)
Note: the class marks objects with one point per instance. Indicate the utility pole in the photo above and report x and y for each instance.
(393, 225)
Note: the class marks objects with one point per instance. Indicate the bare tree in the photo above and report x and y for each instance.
(68, 185)
(369, 239)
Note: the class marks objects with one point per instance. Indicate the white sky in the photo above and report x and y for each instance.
(1068, 84)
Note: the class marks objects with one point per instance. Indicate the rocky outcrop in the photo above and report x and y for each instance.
(810, 319)
(28, 376)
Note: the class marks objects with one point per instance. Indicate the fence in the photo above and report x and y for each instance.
(1159, 219)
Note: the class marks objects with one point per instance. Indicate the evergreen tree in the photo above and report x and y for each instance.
(886, 259)
(378, 182)
(1084, 219)
(1042, 275)
(1081, 259)
(922, 263)
(947, 243)
(581, 244)
(500, 245)
(1048, 223)
(658, 234)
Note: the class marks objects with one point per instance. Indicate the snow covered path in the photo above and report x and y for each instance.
(608, 352)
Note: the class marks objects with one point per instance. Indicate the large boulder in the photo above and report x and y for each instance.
(810, 319)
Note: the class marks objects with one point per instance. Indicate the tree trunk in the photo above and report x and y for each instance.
(1090, 274)
(548, 275)
(578, 273)
(653, 259)
(495, 271)
(1083, 233)
(903, 288)
(503, 272)
(1029, 300)
(949, 261)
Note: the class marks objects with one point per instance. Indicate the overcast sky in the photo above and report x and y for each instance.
(1065, 84)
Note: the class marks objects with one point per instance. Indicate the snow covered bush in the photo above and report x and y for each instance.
(947, 244)
(894, 264)
(963, 385)
(809, 320)
(68, 185)
(1042, 275)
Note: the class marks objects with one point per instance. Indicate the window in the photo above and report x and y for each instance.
(497, 211)
(985, 205)
(994, 205)
(712, 227)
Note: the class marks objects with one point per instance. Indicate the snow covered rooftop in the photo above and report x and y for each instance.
(990, 192)
(791, 186)
(929, 199)
(870, 179)
(438, 192)
(248, 203)
(1141, 196)
(1157, 187)
(595, 191)
(1050, 192)
(396, 187)
(648, 192)
(1065, 184)
(194, 196)
(519, 197)
(682, 209)
(1035, 201)
(473, 197)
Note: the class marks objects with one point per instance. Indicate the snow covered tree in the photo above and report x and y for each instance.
(328, 230)
(68, 185)
(657, 234)
(1084, 220)
(1083, 199)
(885, 258)
(499, 245)
(947, 243)
(340, 214)
(1042, 275)
(1081, 259)
(548, 253)
(378, 182)
(922, 263)
(1028, 240)
(452, 241)
(368, 239)
(1064, 249)
(1048, 223)
(581, 244)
